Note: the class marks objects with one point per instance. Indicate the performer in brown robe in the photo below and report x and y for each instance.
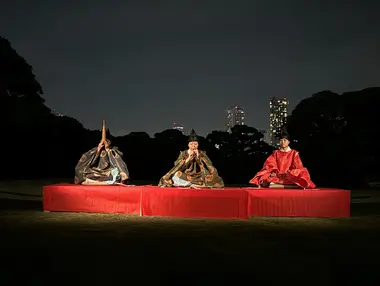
(102, 165)
(283, 169)
(192, 169)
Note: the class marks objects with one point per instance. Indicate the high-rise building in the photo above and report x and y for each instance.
(178, 127)
(235, 116)
(278, 112)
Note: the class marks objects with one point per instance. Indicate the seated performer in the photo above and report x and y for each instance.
(192, 169)
(283, 169)
(102, 165)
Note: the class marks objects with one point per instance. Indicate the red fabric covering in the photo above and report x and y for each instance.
(99, 199)
(177, 202)
(299, 203)
(287, 169)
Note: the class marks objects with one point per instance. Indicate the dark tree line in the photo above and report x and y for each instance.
(336, 135)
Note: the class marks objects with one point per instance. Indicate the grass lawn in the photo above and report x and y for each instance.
(106, 249)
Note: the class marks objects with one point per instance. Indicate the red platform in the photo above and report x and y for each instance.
(176, 202)
(299, 203)
(92, 199)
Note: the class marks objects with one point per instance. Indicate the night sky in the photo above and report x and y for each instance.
(143, 65)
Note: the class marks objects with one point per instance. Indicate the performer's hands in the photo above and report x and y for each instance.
(101, 144)
(273, 174)
(106, 145)
(191, 156)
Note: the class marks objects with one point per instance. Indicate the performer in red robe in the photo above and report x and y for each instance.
(283, 167)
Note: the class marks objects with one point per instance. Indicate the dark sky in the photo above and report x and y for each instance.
(143, 65)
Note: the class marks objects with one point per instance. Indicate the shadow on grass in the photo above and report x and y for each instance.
(20, 205)
(21, 194)
(365, 209)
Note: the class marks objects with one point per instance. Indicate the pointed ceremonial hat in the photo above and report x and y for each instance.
(193, 136)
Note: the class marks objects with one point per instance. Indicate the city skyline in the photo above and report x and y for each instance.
(228, 123)
(141, 65)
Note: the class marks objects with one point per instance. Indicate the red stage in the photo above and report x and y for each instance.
(177, 202)
(92, 199)
(239, 203)
(299, 203)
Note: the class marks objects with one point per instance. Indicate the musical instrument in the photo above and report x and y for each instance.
(104, 131)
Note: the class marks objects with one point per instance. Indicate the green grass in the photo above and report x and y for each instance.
(98, 247)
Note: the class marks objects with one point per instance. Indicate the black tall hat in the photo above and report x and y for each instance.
(284, 134)
(193, 136)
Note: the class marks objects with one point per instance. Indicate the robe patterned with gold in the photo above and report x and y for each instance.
(97, 166)
(199, 171)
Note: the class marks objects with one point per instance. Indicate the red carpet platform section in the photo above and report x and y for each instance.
(299, 203)
(228, 203)
(177, 202)
(92, 199)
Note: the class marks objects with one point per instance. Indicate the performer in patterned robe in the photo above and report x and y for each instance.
(193, 169)
(283, 169)
(102, 165)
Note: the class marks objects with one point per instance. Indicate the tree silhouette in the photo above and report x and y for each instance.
(219, 143)
(167, 145)
(36, 134)
(16, 75)
(138, 154)
(319, 116)
(238, 154)
(335, 134)
(20, 92)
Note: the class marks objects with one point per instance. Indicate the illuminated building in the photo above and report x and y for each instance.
(55, 113)
(178, 127)
(235, 116)
(278, 113)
